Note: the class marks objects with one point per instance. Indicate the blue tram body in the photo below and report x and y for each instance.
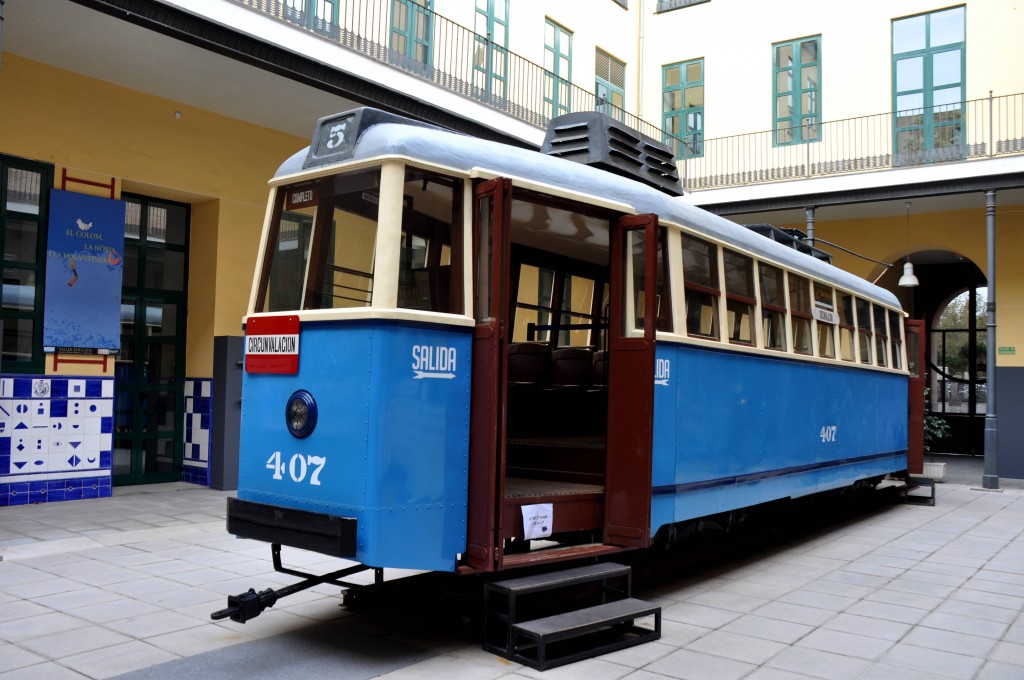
(418, 263)
(402, 479)
(724, 430)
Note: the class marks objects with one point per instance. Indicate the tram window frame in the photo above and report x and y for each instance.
(702, 288)
(336, 193)
(436, 284)
(824, 300)
(773, 307)
(878, 315)
(865, 342)
(740, 297)
(845, 314)
(895, 339)
(800, 298)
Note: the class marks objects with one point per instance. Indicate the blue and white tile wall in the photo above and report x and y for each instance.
(55, 438)
(198, 429)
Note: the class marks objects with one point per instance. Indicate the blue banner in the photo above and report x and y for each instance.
(84, 261)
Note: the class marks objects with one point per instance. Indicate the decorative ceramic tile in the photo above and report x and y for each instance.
(55, 441)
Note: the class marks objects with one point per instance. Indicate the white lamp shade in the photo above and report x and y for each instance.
(908, 280)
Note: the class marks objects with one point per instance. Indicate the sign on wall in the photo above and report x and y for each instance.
(84, 262)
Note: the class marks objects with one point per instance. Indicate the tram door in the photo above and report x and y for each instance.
(915, 397)
(632, 323)
(491, 217)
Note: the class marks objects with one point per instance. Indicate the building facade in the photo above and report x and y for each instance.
(888, 137)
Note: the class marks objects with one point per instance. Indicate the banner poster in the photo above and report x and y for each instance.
(84, 262)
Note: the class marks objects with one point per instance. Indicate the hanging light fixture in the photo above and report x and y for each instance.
(908, 280)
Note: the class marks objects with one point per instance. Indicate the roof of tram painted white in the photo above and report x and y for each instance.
(464, 153)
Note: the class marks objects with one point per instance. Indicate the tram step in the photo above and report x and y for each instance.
(585, 633)
(917, 484)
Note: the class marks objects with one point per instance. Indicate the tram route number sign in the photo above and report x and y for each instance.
(272, 344)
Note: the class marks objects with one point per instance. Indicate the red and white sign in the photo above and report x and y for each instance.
(272, 344)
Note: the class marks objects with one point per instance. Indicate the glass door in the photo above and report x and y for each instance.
(149, 375)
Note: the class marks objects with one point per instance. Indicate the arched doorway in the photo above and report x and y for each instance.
(950, 286)
(951, 301)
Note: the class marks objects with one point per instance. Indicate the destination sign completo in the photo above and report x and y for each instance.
(272, 344)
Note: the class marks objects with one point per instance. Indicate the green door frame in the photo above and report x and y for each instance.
(143, 401)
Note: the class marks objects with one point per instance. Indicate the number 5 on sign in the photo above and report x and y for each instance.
(828, 433)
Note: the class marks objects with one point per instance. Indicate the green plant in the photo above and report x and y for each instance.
(935, 428)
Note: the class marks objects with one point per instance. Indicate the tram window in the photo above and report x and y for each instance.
(881, 337)
(864, 330)
(700, 277)
(343, 240)
(739, 297)
(663, 304)
(846, 326)
(288, 243)
(896, 339)
(533, 303)
(429, 224)
(577, 310)
(773, 307)
(825, 314)
(800, 307)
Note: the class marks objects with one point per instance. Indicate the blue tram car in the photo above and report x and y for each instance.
(468, 357)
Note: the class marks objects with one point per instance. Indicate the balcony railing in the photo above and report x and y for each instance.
(448, 55)
(982, 128)
(456, 59)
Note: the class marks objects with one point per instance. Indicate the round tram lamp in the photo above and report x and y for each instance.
(300, 414)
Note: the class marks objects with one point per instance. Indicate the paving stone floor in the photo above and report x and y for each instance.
(125, 585)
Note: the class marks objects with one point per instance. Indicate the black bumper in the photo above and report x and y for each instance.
(327, 534)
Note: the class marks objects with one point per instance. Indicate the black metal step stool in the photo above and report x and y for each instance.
(914, 483)
(564, 637)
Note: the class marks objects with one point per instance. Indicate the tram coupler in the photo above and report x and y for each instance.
(251, 604)
(246, 606)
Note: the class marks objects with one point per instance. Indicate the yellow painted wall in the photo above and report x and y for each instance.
(962, 232)
(219, 165)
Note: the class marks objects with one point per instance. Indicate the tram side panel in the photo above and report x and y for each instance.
(391, 444)
(733, 429)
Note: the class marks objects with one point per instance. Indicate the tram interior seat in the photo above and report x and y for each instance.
(527, 372)
(556, 414)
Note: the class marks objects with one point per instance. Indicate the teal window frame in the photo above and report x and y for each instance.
(796, 91)
(557, 79)
(320, 16)
(611, 96)
(490, 54)
(928, 116)
(406, 40)
(13, 268)
(682, 113)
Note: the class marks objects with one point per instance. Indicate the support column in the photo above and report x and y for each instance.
(810, 224)
(990, 477)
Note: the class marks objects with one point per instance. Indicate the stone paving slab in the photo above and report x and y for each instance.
(124, 586)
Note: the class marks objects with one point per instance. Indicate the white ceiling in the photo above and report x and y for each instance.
(71, 37)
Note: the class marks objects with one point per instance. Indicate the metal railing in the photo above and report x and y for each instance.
(981, 128)
(457, 59)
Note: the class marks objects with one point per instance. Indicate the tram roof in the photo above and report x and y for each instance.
(464, 153)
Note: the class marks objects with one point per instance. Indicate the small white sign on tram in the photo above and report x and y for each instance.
(537, 520)
(825, 316)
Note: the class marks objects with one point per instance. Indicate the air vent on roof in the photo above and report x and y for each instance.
(794, 238)
(593, 138)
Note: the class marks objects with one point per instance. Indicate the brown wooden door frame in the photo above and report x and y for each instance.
(491, 217)
(915, 394)
(630, 391)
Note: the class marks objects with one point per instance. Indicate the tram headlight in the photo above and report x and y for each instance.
(300, 414)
